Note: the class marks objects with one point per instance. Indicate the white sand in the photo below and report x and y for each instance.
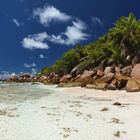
(73, 114)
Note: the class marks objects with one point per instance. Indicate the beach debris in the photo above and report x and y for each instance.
(89, 116)
(85, 119)
(133, 85)
(124, 132)
(117, 104)
(71, 106)
(43, 107)
(53, 114)
(116, 121)
(67, 131)
(78, 113)
(57, 120)
(117, 134)
(75, 130)
(66, 135)
(104, 109)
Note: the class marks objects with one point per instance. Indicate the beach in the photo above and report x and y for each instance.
(69, 113)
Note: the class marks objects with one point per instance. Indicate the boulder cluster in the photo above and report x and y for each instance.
(108, 78)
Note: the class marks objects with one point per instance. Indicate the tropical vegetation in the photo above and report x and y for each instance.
(121, 41)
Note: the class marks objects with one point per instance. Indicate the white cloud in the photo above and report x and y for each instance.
(72, 35)
(29, 65)
(17, 23)
(6, 75)
(34, 71)
(41, 56)
(97, 21)
(50, 14)
(35, 41)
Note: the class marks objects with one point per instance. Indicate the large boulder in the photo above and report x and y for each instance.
(112, 85)
(132, 85)
(86, 78)
(121, 81)
(136, 71)
(66, 78)
(127, 70)
(117, 69)
(87, 73)
(35, 79)
(107, 70)
(26, 77)
(14, 79)
(74, 79)
(136, 60)
(100, 72)
(105, 79)
(55, 80)
(43, 78)
(111, 69)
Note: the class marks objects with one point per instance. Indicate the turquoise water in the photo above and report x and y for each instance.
(20, 92)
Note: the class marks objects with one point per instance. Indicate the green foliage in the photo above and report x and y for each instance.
(69, 60)
(45, 71)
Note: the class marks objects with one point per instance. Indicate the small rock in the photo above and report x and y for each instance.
(66, 135)
(117, 104)
(104, 109)
(115, 120)
(117, 134)
(89, 116)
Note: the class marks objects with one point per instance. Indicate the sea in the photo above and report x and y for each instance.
(19, 92)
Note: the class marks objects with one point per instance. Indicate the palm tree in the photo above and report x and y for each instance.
(126, 33)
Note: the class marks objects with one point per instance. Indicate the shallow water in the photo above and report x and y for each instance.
(19, 92)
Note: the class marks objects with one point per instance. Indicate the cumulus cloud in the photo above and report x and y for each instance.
(17, 23)
(29, 65)
(50, 14)
(72, 35)
(97, 21)
(6, 75)
(34, 71)
(36, 41)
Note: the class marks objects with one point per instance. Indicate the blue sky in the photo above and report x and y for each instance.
(35, 33)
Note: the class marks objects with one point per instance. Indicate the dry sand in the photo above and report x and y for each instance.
(73, 114)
